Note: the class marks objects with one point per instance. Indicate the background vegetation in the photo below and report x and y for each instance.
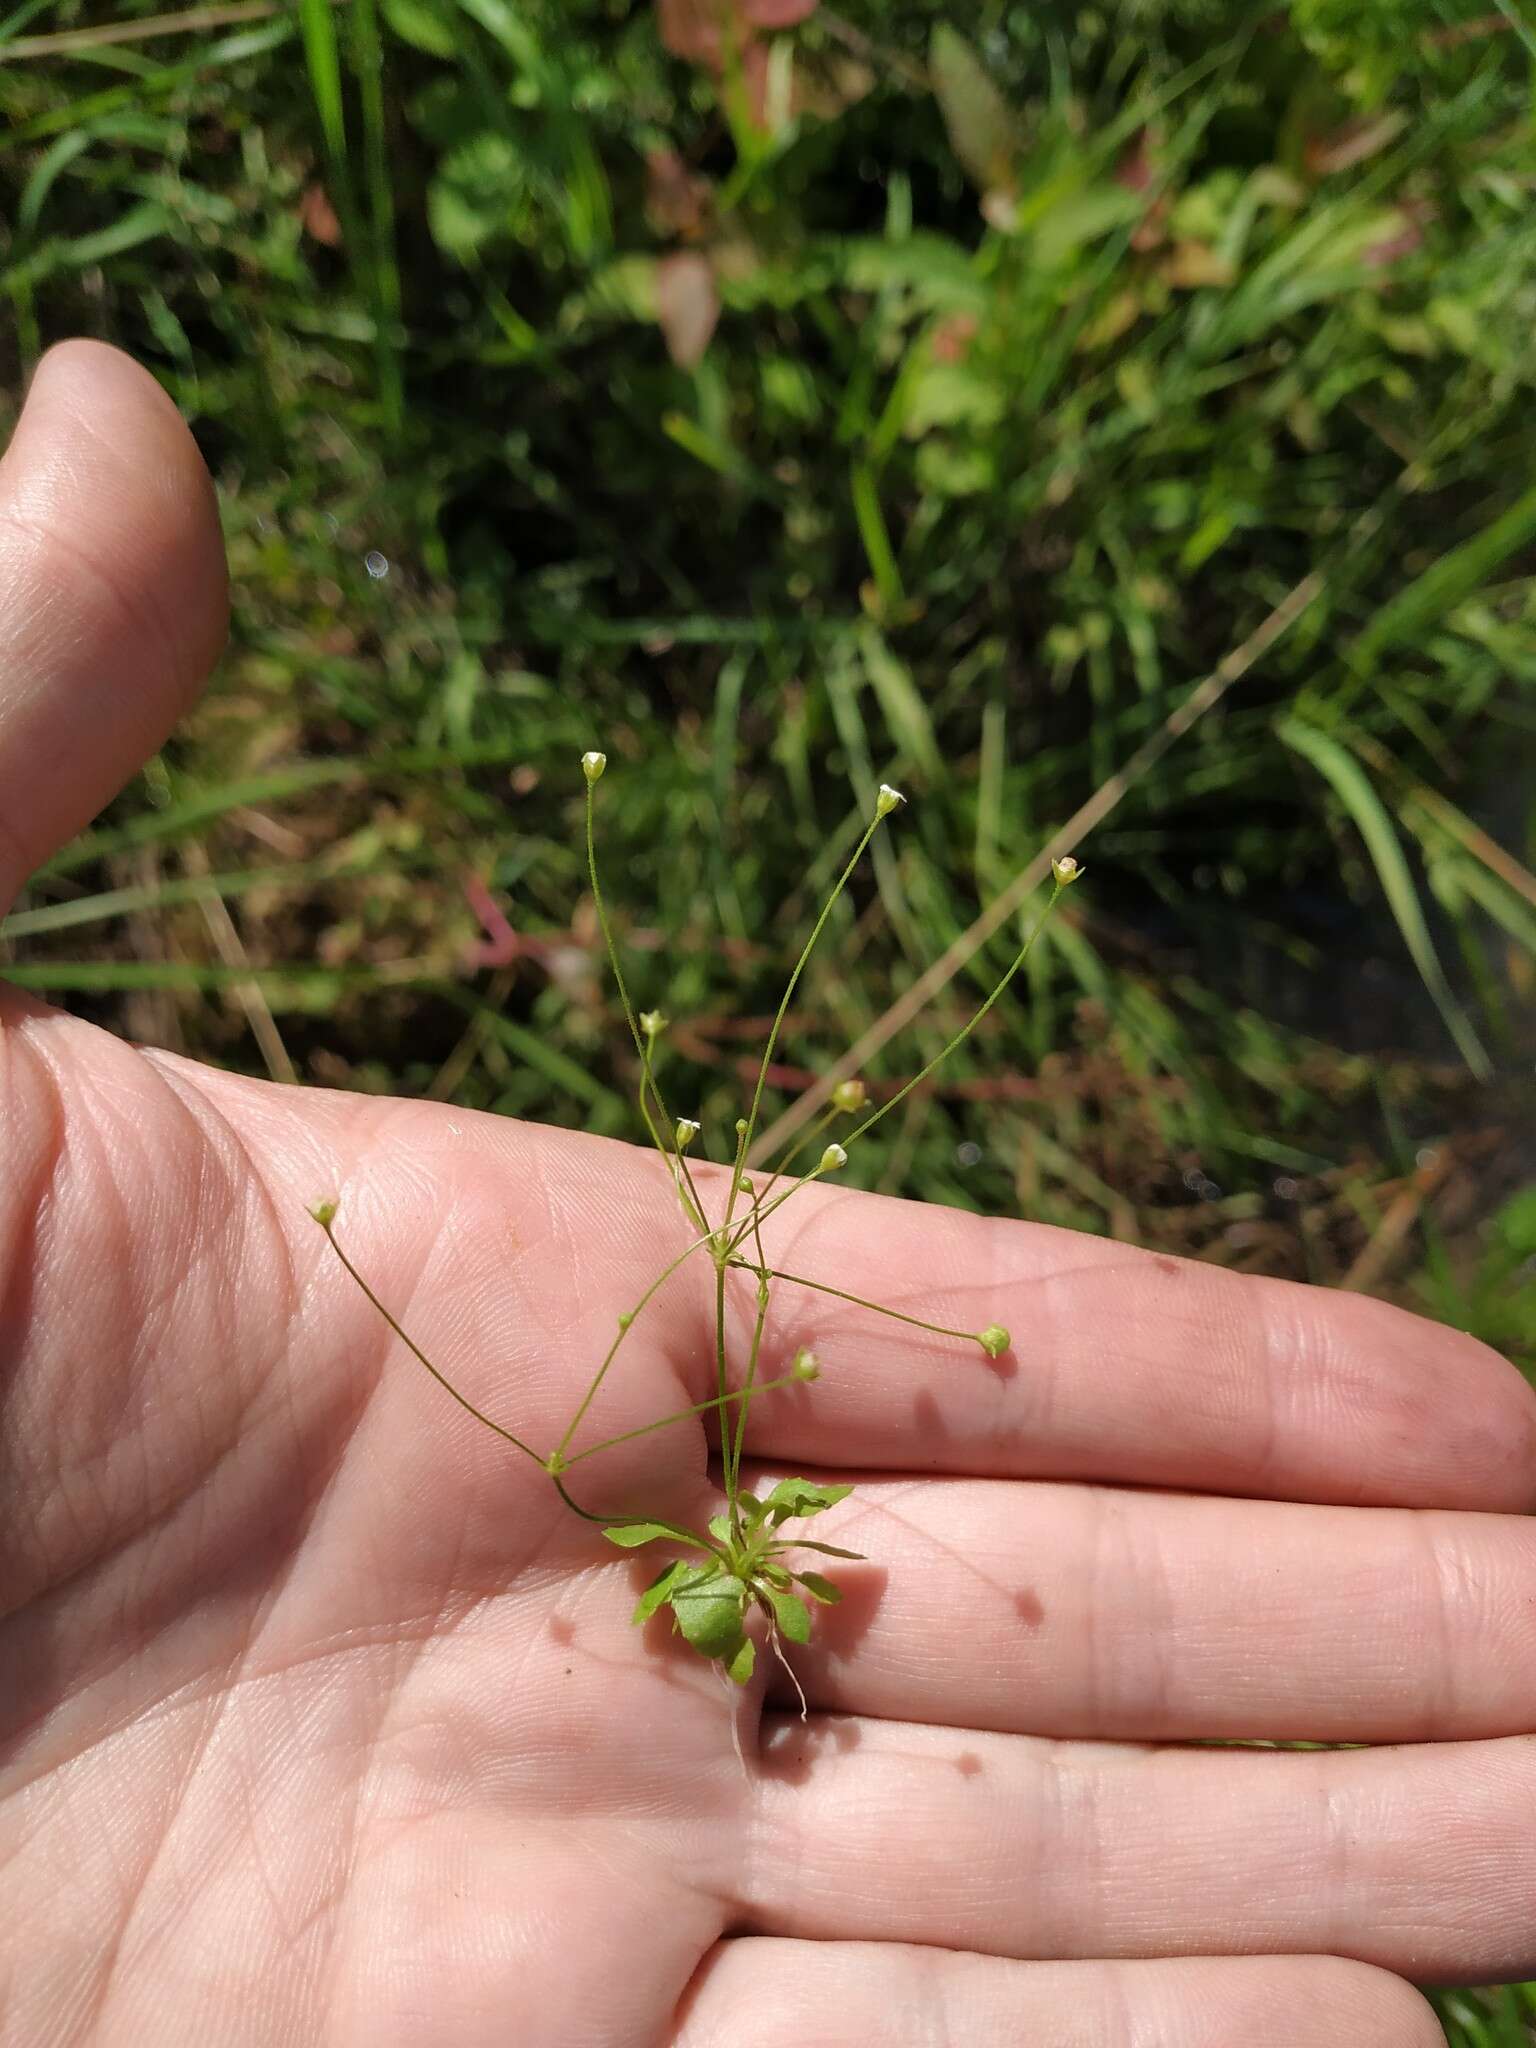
(786, 398)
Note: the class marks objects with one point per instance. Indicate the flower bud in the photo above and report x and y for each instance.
(848, 1097)
(653, 1022)
(832, 1159)
(593, 764)
(324, 1214)
(687, 1131)
(806, 1365)
(1065, 870)
(887, 800)
(994, 1340)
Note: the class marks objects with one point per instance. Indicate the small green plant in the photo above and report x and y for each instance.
(748, 1557)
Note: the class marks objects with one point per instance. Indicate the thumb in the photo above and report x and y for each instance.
(113, 601)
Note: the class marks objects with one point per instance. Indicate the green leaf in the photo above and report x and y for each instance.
(1354, 790)
(791, 1614)
(801, 1498)
(1444, 584)
(906, 715)
(322, 53)
(1515, 1223)
(720, 1528)
(659, 1591)
(479, 196)
(982, 130)
(824, 1549)
(819, 1588)
(752, 1509)
(708, 1610)
(739, 1666)
(632, 1535)
(425, 23)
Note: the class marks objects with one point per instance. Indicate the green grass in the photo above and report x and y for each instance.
(1055, 367)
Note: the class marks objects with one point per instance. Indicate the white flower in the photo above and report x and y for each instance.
(1065, 870)
(832, 1159)
(887, 800)
(592, 764)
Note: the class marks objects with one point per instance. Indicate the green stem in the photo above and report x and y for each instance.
(643, 1045)
(742, 1394)
(757, 1340)
(722, 1388)
(808, 1136)
(695, 1538)
(760, 1215)
(625, 1326)
(682, 1178)
(642, 1042)
(858, 1300)
(963, 1033)
(778, 1022)
(417, 1352)
(733, 1490)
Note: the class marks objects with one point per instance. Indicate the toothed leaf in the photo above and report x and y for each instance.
(801, 1498)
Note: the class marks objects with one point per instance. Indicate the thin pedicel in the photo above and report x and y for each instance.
(747, 1559)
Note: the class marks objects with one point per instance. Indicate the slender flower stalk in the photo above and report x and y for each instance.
(887, 802)
(746, 1562)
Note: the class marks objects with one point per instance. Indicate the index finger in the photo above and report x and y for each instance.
(1124, 1366)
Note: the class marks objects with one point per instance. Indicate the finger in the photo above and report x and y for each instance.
(1101, 1612)
(112, 594)
(1420, 1860)
(846, 1994)
(1124, 1366)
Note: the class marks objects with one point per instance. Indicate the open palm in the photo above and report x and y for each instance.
(324, 1722)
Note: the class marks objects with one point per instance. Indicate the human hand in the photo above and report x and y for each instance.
(324, 1721)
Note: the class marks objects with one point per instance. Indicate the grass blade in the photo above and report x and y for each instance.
(1353, 788)
(322, 55)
